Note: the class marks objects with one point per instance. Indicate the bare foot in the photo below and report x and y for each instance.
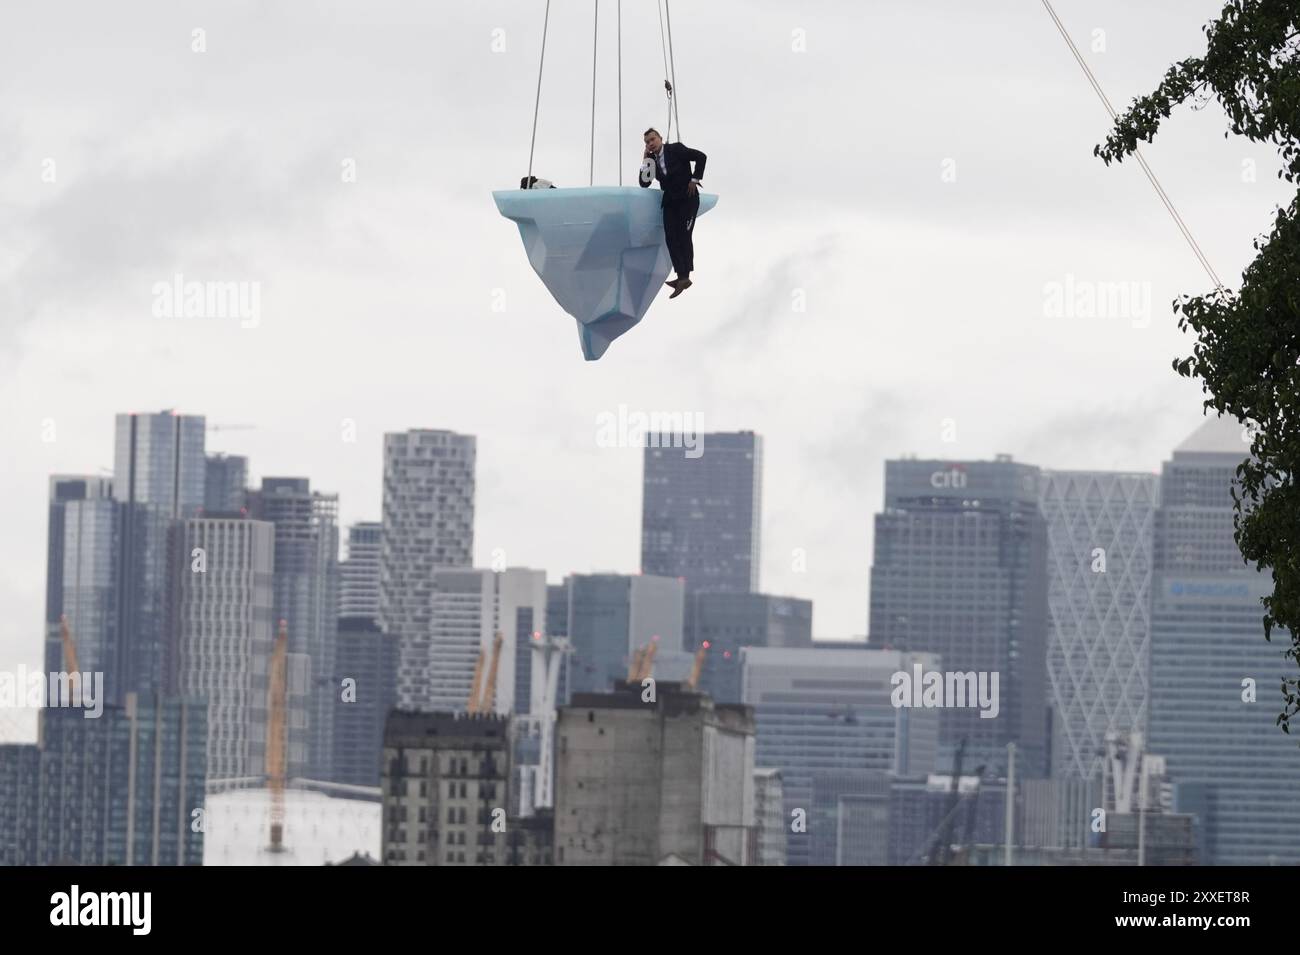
(681, 286)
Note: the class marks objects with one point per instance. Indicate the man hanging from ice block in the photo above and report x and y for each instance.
(670, 164)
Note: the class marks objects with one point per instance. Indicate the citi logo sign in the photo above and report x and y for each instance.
(102, 908)
(954, 477)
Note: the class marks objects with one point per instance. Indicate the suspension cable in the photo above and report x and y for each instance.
(1151, 176)
(674, 100)
(533, 142)
(595, 35)
(668, 87)
(620, 92)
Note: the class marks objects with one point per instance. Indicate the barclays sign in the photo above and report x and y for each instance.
(1179, 588)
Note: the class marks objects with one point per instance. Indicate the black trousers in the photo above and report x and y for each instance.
(679, 220)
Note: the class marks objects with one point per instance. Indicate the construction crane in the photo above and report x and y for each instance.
(69, 648)
(275, 733)
(941, 850)
(968, 841)
(647, 667)
(471, 704)
(485, 702)
(697, 667)
(488, 703)
(634, 665)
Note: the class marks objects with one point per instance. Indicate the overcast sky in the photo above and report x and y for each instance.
(918, 175)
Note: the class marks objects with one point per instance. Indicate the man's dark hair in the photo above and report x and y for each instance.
(649, 131)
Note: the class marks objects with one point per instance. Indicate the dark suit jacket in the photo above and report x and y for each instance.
(678, 158)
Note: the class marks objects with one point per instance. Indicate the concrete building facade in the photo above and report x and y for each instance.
(665, 781)
(445, 784)
(769, 818)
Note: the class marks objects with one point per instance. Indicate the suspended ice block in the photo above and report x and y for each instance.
(599, 251)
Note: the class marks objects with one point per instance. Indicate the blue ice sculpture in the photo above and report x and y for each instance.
(600, 251)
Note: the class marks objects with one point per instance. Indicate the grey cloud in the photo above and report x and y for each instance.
(1103, 437)
(860, 439)
(768, 300)
(846, 138)
(119, 228)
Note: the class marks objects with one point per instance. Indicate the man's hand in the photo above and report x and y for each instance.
(693, 188)
(647, 154)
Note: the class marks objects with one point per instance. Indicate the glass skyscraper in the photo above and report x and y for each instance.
(122, 789)
(365, 654)
(1224, 753)
(701, 515)
(158, 478)
(306, 599)
(611, 616)
(1100, 530)
(821, 710)
(85, 568)
(728, 621)
(81, 574)
(226, 484)
(960, 570)
(368, 656)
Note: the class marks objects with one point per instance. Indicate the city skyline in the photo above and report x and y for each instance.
(24, 723)
(985, 527)
(347, 273)
(356, 515)
(903, 539)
